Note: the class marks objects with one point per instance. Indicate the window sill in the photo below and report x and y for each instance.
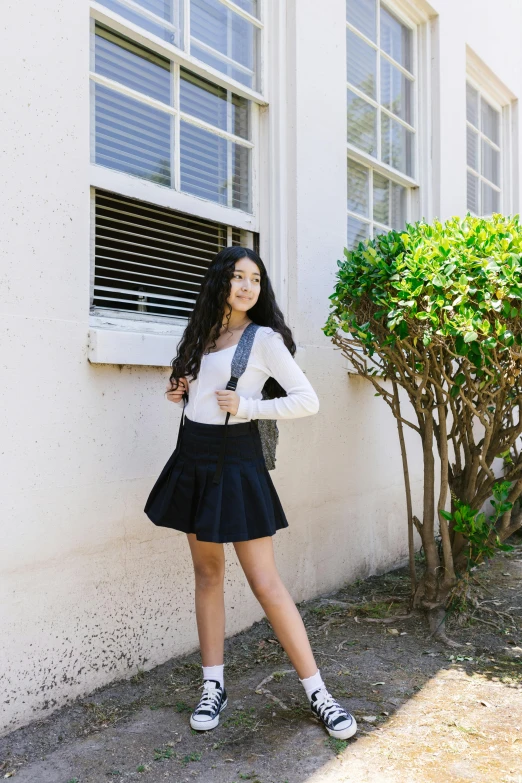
(121, 341)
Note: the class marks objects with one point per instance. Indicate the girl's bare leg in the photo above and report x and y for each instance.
(258, 563)
(209, 572)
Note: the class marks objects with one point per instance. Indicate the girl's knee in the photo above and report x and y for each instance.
(267, 588)
(209, 574)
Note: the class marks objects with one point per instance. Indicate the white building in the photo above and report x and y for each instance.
(138, 137)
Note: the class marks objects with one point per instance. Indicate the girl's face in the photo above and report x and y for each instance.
(245, 285)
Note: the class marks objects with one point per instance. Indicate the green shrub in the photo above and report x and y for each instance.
(435, 310)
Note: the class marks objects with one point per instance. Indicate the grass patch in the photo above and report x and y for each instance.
(101, 715)
(163, 754)
(242, 719)
(378, 609)
(337, 745)
(325, 611)
(191, 757)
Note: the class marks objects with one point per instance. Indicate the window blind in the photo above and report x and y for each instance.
(149, 259)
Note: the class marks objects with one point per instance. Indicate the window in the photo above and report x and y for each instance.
(226, 40)
(163, 18)
(224, 35)
(136, 128)
(149, 261)
(380, 119)
(174, 146)
(484, 132)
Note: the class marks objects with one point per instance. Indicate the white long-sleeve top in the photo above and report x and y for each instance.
(269, 357)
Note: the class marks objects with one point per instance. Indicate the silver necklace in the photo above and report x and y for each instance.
(237, 328)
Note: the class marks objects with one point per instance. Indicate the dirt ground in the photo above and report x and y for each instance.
(426, 713)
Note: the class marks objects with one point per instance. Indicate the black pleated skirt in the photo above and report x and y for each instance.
(242, 506)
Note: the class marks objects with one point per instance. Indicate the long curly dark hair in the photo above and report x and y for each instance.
(211, 309)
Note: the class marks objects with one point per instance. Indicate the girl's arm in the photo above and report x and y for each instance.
(301, 399)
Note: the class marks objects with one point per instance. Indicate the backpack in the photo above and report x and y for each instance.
(268, 430)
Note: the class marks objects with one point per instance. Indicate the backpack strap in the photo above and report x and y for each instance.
(238, 367)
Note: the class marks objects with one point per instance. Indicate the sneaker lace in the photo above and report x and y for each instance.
(328, 707)
(209, 698)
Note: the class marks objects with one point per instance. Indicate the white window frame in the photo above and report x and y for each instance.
(418, 186)
(172, 197)
(182, 55)
(491, 89)
(122, 339)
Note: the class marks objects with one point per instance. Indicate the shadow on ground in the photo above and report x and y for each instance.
(426, 713)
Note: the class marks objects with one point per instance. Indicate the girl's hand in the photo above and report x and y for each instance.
(176, 395)
(228, 401)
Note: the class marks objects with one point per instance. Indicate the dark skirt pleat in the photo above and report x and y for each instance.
(244, 505)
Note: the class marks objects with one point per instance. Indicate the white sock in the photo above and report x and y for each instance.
(311, 684)
(214, 673)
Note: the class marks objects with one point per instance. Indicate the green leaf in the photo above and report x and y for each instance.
(470, 336)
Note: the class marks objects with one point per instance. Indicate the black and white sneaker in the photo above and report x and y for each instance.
(338, 722)
(212, 701)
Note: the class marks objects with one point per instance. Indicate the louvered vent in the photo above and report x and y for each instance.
(150, 260)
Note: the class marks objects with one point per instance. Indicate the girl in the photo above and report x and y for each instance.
(243, 507)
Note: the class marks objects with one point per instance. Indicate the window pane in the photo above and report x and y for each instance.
(240, 177)
(379, 230)
(240, 110)
(363, 15)
(361, 64)
(490, 163)
(395, 39)
(203, 99)
(216, 62)
(358, 188)
(473, 193)
(472, 149)
(396, 91)
(171, 12)
(131, 136)
(357, 232)
(250, 6)
(209, 103)
(490, 200)
(472, 105)
(223, 40)
(398, 206)
(362, 124)
(381, 198)
(389, 202)
(204, 169)
(132, 65)
(203, 164)
(397, 145)
(490, 121)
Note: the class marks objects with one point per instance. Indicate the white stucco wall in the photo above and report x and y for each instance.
(90, 589)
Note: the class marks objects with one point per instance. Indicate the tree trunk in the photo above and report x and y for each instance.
(407, 488)
(430, 579)
(448, 577)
